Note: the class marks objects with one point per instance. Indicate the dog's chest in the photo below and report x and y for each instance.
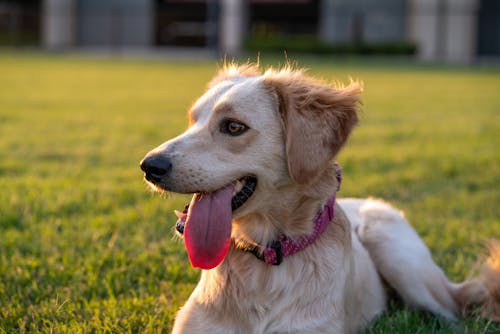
(285, 299)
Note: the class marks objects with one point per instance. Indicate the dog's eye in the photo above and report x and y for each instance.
(232, 127)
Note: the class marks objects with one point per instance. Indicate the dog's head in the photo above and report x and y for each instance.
(250, 135)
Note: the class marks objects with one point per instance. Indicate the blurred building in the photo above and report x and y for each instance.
(457, 31)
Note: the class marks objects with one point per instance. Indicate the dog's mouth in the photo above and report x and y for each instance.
(206, 221)
(243, 190)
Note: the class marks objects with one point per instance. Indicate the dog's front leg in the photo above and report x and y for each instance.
(193, 318)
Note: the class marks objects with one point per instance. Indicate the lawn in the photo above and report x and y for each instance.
(86, 248)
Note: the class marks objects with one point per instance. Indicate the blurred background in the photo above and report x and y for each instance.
(444, 31)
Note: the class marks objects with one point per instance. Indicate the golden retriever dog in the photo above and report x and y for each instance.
(279, 252)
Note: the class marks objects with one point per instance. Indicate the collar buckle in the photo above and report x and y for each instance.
(272, 254)
(277, 248)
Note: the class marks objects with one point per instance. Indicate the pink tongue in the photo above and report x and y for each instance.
(207, 233)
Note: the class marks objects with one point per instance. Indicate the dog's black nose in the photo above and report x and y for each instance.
(156, 167)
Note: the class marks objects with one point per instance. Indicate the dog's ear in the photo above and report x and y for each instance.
(317, 119)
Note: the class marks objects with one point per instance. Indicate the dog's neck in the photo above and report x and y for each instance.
(293, 213)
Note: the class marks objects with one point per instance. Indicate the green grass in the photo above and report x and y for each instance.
(86, 248)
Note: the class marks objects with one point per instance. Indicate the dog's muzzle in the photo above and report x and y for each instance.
(156, 167)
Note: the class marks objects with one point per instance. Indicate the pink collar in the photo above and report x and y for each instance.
(284, 246)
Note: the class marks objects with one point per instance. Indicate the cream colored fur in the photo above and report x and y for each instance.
(297, 126)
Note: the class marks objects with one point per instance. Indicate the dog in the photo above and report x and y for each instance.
(279, 252)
